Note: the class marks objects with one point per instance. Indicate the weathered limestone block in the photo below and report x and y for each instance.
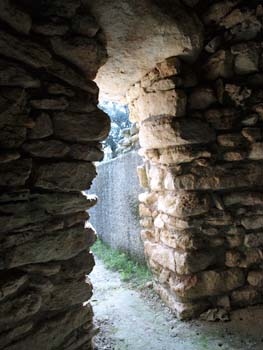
(86, 53)
(183, 204)
(46, 149)
(182, 239)
(245, 296)
(37, 208)
(187, 263)
(12, 75)
(72, 77)
(65, 176)
(62, 8)
(52, 332)
(142, 175)
(42, 127)
(85, 25)
(88, 152)
(58, 294)
(237, 94)
(9, 156)
(160, 132)
(254, 240)
(161, 255)
(246, 58)
(234, 156)
(207, 283)
(160, 103)
(223, 118)
(218, 11)
(60, 245)
(255, 278)
(183, 311)
(216, 178)
(13, 16)
(13, 334)
(15, 173)
(10, 285)
(25, 306)
(235, 258)
(252, 222)
(231, 140)
(176, 155)
(169, 67)
(75, 127)
(51, 27)
(219, 65)
(243, 198)
(59, 89)
(12, 136)
(25, 51)
(252, 134)
(59, 103)
(256, 152)
(202, 98)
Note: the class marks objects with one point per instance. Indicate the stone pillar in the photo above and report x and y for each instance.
(201, 138)
(50, 133)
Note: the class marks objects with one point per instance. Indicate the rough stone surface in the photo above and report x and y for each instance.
(44, 245)
(134, 53)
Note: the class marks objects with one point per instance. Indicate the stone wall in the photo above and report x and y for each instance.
(201, 138)
(50, 133)
(116, 215)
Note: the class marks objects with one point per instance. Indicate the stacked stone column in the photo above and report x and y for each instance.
(50, 133)
(201, 138)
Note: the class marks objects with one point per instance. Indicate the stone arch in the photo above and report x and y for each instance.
(201, 136)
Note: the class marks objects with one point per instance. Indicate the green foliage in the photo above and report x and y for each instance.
(130, 270)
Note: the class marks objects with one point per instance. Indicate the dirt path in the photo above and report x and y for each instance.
(130, 321)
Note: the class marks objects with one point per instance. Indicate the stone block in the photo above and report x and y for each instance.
(256, 152)
(60, 245)
(160, 132)
(75, 127)
(160, 103)
(207, 283)
(15, 173)
(191, 262)
(25, 51)
(255, 278)
(12, 283)
(86, 53)
(183, 204)
(12, 15)
(25, 306)
(46, 149)
(42, 127)
(66, 176)
(84, 25)
(163, 256)
(245, 296)
(53, 332)
(202, 98)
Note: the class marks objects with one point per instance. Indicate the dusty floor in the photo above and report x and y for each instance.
(132, 320)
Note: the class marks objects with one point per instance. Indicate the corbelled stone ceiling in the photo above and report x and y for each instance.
(140, 33)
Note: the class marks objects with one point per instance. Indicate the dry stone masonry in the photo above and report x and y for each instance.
(200, 118)
(50, 133)
(201, 138)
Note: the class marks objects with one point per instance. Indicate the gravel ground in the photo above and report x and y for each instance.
(132, 319)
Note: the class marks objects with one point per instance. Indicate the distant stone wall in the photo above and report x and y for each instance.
(116, 216)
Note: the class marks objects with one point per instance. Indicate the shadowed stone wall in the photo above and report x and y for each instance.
(50, 129)
(201, 138)
(116, 215)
